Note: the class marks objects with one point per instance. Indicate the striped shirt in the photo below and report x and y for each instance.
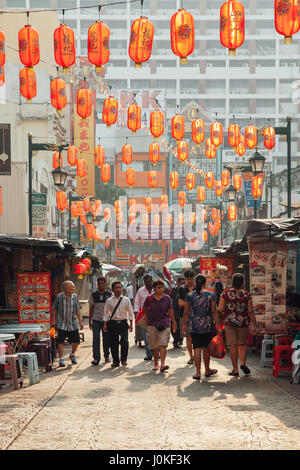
(66, 308)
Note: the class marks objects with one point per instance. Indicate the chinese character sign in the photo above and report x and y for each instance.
(34, 298)
(212, 269)
(84, 140)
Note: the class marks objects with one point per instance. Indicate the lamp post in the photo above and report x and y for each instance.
(257, 163)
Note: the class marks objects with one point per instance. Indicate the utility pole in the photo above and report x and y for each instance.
(288, 132)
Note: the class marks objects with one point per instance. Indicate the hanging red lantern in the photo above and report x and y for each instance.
(232, 211)
(75, 211)
(132, 219)
(79, 269)
(181, 219)
(86, 262)
(58, 93)
(234, 133)
(154, 153)
(2, 75)
(204, 215)
(117, 206)
(107, 214)
(216, 133)
(156, 220)
(210, 149)
(81, 168)
(110, 111)
(57, 160)
(211, 228)
(132, 205)
(145, 220)
(204, 236)
(105, 173)
(190, 181)
(130, 176)
(84, 103)
(198, 131)
(169, 219)
(287, 18)
(182, 34)
(99, 155)
(209, 179)
(28, 83)
(240, 150)
(86, 204)
(174, 180)
(218, 188)
(141, 39)
(98, 204)
(232, 25)
(61, 201)
(2, 49)
(157, 123)
(256, 186)
(148, 203)
(107, 243)
(164, 201)
(64, 47)
(29, 47)
(269, 137)
(201, 193)
(181, 198)
(237, 182)
(72, 155)
(98, 44)
(182, 150)
(127, 154)
(178, 127)
(251, 137)
(120, 218)
(134, 114)
(225, 178)
(152, 179)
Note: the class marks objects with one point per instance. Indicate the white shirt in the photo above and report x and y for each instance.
(130, 292)
(140, 298)
(123, 312)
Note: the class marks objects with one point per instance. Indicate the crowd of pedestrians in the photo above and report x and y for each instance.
(191, 312)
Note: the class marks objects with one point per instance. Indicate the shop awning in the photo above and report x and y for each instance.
(8, 242)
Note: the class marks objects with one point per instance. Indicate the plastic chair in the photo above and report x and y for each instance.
(282, 352)
(32, 365)
(43, 352)
(266, 357)
(11, 363)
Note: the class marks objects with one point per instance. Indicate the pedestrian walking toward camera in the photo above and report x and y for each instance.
(97, 302)
(200, 309)
(117, 312)
(236, 305)
(66, 314)
(159, 314)
(139, 301)
(182, 293)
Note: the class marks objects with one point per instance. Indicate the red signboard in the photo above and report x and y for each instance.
(212, 269)
(34, 298)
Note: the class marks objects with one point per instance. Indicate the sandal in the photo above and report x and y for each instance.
(234, 374)
(212, 372)
(163, 369)
(191, 361)
(155, 367)
(197, 377)
(246, 370)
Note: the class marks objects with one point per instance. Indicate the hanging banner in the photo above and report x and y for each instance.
(213, 270)
(84, 140)
(268, 275)
(5, 150)
(39, 215)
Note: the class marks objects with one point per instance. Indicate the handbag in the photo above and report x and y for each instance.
(141, 319)
(160, 327)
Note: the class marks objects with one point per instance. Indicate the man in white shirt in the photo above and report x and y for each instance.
(139, 301)
(115, 322)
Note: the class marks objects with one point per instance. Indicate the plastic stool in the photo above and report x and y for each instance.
(16, 378)
(43, 352)
(282, 352)
(32, 364)
(266, 357)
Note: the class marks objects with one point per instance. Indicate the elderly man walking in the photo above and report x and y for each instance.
(66, 313)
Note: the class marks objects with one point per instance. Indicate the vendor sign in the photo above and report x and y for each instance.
(213, 269)
(268, 276)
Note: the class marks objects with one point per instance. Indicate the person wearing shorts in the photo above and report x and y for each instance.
(236, 306)
(159, 314)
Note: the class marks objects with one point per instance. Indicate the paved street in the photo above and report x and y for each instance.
(84, 407)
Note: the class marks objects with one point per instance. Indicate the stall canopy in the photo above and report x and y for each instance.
(8, 242)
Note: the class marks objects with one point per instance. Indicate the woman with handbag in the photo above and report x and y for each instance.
(200, 308)
(159, 313)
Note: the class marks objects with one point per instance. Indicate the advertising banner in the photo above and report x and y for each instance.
(212, 269)
(268, 273)
(39, 215)
(84, 140)
(247, 178)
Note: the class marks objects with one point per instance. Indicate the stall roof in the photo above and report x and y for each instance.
(64, 246)
(267, 227)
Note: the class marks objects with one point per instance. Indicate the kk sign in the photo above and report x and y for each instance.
(148, 100)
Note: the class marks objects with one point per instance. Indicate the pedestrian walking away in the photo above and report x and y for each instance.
(200, 308)
(66, 314)
(117, 312)
(182, 293)
(159, 314)
(139, 301)
(97, 302)
(236, 306)
(177, 337)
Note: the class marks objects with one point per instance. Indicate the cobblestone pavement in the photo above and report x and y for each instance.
(84, 407)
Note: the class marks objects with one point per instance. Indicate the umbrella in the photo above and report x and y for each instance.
(109, 268)
(179, 264)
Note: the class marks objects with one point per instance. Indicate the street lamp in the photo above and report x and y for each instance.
(231, 193)
(89, 218)
(257, 162)
(59, 177)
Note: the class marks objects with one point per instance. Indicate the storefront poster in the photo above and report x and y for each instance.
(34, 298)
(39, 215)
(212, 269)
(268, 273)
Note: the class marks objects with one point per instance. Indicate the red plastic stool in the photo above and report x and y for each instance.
(282, 352)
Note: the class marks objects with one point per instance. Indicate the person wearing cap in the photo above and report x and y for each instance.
(183, 291)
(141, 296)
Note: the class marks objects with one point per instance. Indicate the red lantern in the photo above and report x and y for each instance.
(157, 123)
(233, 135)
(237, 182)
(107, 243)
(209, 179)
(256, 186)
(210, 149)
(193, 217)
(2, 49)
(201, 193)
(190, 181)
(127, 154)
(145, 220)
(84, 103)
(154, 153)
(218, 188)
(98, 44)
(232, 25)
(269, 137)
(225, 178)
(58, 94)
(81, 168)
(86, 204)
(132, 219)
(117, 206)
(141, 39)
(57, 160)
(287, 18)
(204, 215)
(79, 269)
(216, 134)
(181, 219)
(182, 34)
(156, 220)
(105, 173)
(240, 150)
(29, 48)
(99, 155)
(178, 127)
(204, 236)
(61, 201)
(86, 262)
(132, 205)
(169, 219)
(148, 203)
(152, 179)
(232, 211)
(181, 198)
(164, 201)
(174, 180)
(28, 83)
(130, 177)
(110, 111)
(134, 117)
(2, 75)
(64, 47)
(251, 137)
(198, 133)
(107, 214)
(182, 150)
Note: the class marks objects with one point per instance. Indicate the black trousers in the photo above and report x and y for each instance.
(177, 334)
(118, 334)
(97, 327)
